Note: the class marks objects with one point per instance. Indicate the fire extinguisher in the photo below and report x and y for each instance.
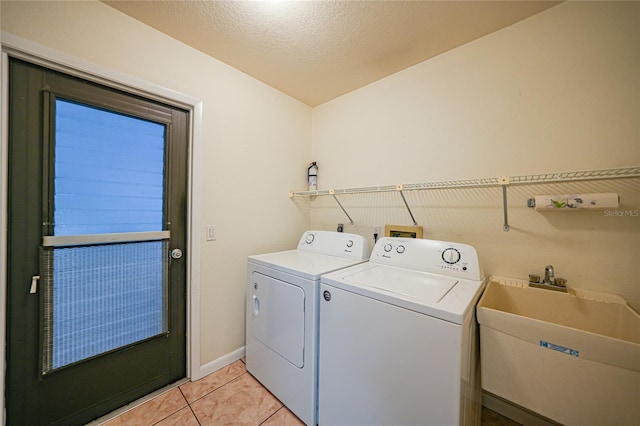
(312, 176)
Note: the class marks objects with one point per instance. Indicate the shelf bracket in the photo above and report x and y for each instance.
(333, 194)
(504, 181)
(399, 188)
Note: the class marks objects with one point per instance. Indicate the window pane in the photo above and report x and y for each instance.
(109, 172)
(100, 298)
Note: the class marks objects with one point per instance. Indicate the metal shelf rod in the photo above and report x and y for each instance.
(343, 210)
(399, 188)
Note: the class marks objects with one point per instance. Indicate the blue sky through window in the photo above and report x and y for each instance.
(109, 171)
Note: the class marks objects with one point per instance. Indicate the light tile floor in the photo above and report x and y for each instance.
(229, 396)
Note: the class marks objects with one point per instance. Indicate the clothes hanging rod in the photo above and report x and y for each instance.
(536, 179)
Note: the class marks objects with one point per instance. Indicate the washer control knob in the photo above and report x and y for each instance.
(451, 256)
(387, 247)
(400, 249)
(350, 243)
(309, 238)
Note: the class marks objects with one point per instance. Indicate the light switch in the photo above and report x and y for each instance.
(211, 232)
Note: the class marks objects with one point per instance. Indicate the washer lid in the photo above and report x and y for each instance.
(303, 264)
(421, 287)
(444, 297)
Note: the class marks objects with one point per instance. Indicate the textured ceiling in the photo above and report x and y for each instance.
(316, 51)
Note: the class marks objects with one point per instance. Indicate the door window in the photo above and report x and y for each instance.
(108, 177)
(98, 298)
(109, 171)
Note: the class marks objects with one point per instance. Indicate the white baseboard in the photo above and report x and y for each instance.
(217, 364)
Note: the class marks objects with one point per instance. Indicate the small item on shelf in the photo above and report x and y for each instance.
(575, 201)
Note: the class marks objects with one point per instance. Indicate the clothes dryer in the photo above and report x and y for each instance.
(398, 337)
(282, 314)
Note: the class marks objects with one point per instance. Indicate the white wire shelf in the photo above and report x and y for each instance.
(587, 175)
(502, 181)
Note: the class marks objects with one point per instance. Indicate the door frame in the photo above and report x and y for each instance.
(17, 47)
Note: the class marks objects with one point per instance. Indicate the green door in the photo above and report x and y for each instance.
(96, 297)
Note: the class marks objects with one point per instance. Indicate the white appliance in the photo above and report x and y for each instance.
(398, 337)
(282, 314)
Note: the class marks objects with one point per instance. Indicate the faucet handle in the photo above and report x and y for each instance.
(548, 275)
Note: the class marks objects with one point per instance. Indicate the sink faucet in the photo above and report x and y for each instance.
(549, 281)
(548, 275)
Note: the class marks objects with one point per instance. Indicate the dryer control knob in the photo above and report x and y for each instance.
(350, 243)
(400, 249)
(387, 247)
(309, 238)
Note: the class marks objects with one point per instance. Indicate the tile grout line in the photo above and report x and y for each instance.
(181, 408)
(272, 414)
(213, 390)
(191, 409)
(189, 404)
(244, 361)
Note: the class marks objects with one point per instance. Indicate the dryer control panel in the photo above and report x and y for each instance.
(351, 246)
(438, 257)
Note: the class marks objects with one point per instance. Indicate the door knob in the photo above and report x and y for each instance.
(176, 253)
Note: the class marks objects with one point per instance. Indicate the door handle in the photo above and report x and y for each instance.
(34, 284)
(256, 305)
(176, 253)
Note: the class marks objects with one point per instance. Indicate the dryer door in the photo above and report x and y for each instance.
(277, 317)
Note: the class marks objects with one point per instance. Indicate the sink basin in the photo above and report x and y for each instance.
(572, 357)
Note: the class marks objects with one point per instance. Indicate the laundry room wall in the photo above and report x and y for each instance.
(255, 144)
(556, 92)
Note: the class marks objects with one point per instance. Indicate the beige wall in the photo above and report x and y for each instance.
(255, 144)
(557, 92)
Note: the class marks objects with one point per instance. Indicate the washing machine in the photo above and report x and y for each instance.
(398, 337)
(282, 314)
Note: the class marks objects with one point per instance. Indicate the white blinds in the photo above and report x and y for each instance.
(100, 298)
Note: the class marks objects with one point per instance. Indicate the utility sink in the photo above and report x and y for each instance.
(571, 357)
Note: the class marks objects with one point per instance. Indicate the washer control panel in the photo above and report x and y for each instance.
(439, 257)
